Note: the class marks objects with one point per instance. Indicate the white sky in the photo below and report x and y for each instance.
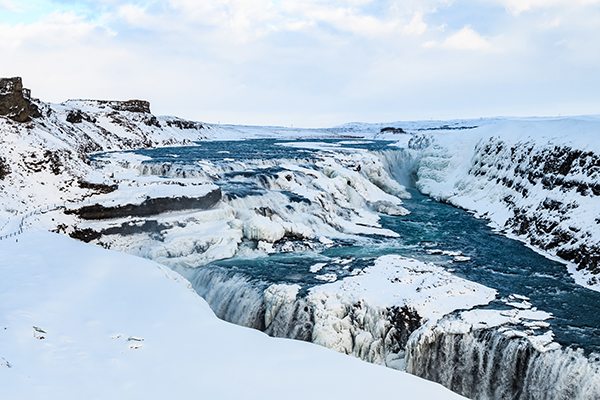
(311, 63)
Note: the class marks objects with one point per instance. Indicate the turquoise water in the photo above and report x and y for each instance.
(496, 261)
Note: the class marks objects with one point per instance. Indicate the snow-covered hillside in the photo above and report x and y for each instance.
(81, 322)
(45, 160)
(536, 179)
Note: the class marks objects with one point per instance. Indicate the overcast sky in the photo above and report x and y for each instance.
(311, 63)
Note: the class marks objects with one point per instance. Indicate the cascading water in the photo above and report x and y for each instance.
(333, 211)
(398, 164)
(488, 364)
(232, 297)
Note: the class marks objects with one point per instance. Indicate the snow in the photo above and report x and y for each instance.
(396, 280)
(517, 170)
(338, 199)
(508, 320)
(146, 188)
(71, 312)
(120, 327)
(317, 267)
(352, 315)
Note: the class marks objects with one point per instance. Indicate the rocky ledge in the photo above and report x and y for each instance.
(14, 100)
(152, 206)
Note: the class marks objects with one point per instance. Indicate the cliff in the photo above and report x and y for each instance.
(535, 179)
(44, 147)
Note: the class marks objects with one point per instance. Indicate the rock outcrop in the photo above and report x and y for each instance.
(14, 102)
(152, 206)
(138, 106)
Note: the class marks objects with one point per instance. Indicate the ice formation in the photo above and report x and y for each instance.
(267, 205)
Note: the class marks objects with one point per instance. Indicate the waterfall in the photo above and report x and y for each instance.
(273, 309)
(487, 364)
(233, 297)
(479, 364)
(372, 333)
(399, 165)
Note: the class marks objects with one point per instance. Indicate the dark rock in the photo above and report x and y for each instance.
(76, 117)
(85, 235)
(140, 106)
(152, 121)
(4, 168)
(132, 228)
(48, 160)
(12, 102)
(183, 124)
(391, 129)
(53, 162)
(555, 168)
(34, 111)
(149, 207)
(404, 321)
(99, 188)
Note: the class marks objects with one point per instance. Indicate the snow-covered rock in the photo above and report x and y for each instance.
(537, 179)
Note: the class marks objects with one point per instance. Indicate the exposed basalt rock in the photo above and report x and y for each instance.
(135, 227)
(391, 129)
(183, 124)
(403, 321)
(553, 170)
(85, 235)
(99, 188)
(140, 106)
(153, 206)
(152, 121)
(48, 160)
(77, 116)
(13, 103)
(128, 228)
(4, 168)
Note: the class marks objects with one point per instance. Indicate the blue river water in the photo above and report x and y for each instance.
(496, 261)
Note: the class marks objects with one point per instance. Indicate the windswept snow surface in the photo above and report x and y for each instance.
(77, 321)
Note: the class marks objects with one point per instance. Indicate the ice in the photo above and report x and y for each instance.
(393, 281)
(275, 297)
(317, 267)
(327, 277)
(263, 229)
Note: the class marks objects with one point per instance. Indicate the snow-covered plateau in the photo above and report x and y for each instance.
(317, 235)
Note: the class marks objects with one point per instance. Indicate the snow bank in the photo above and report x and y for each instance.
(78, 321)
